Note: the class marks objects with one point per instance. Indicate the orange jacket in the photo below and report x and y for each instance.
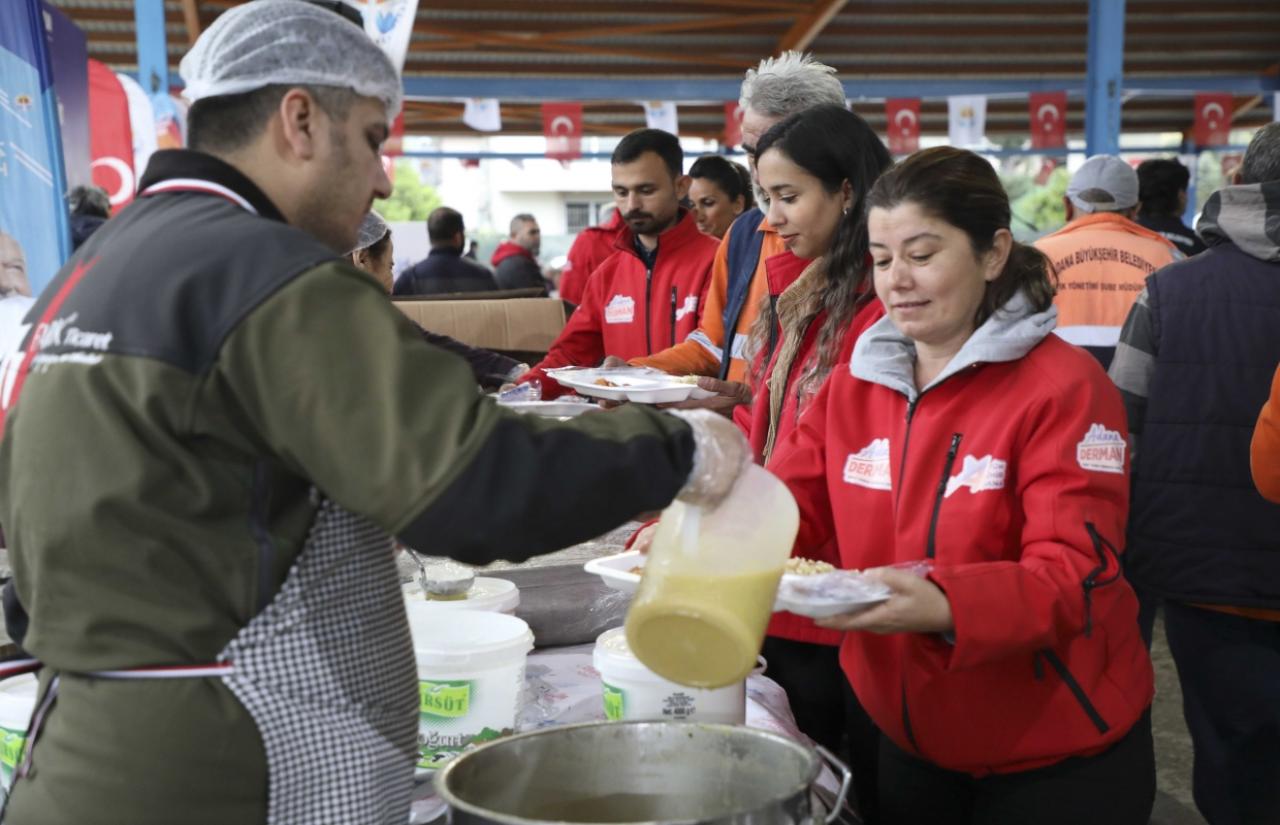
(700, 353)
(1264, 450)
(1102, 261)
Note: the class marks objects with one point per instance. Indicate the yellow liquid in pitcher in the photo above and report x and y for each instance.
(702, 631)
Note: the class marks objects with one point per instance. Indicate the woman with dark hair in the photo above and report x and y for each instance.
(720, 192)
(815, 168)
(1010, 681)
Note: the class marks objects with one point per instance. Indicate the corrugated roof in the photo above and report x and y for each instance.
(910, 47)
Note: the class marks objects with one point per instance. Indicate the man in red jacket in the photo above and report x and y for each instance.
(648, 294)
(515, 261)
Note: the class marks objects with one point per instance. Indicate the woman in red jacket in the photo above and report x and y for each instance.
(815, 168)
(1011, 683)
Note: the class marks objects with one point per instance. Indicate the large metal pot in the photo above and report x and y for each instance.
(632, 772)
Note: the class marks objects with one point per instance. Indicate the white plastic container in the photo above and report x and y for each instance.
(632, 692)
(494, 595)
(470, 677)
(17, 703)
(700, 613)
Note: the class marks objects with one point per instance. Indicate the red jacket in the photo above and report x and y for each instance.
(507, 249)
(781, 272)
(1012, 475)
(627, 310)
(590, 249)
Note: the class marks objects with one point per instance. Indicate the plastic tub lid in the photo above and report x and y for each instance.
(466, 638)
(613, 654)
(18, 701)
(497, 595)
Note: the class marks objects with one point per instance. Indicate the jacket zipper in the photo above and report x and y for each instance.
(906, 719)
(674, 298)
(648, 299)
(1093, 580)
(931, 548)
(1070, 681)
(906, 441)
(261, 535)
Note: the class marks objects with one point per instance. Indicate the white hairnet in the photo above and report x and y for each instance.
(372, 229)
(269, 42)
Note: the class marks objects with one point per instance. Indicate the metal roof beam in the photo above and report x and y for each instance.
(191, 18)
(1105, 76)
(805, 30)
(539, 88)
(152, 50)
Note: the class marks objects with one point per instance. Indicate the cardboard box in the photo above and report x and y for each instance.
(521, 325)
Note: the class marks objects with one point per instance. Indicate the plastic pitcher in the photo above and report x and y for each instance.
(700, 614)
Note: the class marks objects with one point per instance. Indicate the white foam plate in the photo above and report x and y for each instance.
(829, 594)
(639, 385)
(551, 409)
(615, 570)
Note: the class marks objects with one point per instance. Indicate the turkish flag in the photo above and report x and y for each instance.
(110, 135)
(902, 116)
(1048, 112)
(562, 125)
(732, 124)
(1213, 119)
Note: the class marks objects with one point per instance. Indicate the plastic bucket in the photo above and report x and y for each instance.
(632, 692)
(470, 677)
(17, 703)
(494, 595)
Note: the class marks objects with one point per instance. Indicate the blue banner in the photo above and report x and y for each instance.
(33, 215)
(69, 55)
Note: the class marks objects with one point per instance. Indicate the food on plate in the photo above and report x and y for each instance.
(638, 570)
(605, 382)
(797, 566)
(687, 379)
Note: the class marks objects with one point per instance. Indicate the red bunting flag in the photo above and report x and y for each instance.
(732, 124)
(902, 116)
(1048, 112)
(1213, 119)
(562, 125)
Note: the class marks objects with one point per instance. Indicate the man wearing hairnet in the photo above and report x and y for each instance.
(210, 432)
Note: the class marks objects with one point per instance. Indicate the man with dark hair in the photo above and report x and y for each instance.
(647, 295)
(212, 589)
(1193, 365)
(445, 270)
(1162, 196)
(771, 91)
(515, 261)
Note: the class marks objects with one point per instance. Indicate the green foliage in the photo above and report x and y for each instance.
(411, 199)
(1038, 210)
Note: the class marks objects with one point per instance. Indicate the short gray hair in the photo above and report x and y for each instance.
(522, 218)
(1262, 158)
(790, 83)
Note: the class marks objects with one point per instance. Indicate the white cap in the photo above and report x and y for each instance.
(1104, 183)
(289, 42)
(372, 229)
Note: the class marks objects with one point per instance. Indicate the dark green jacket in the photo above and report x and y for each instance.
(198, 369)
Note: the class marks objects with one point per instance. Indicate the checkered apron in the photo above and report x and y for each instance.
(327, 673)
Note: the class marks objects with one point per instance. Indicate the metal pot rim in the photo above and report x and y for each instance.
(452, 800)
